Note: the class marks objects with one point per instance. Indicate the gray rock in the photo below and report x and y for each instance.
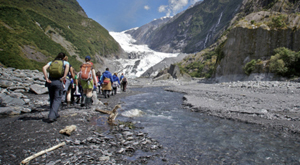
(8, 111)
(6, 84)
(39, 89)
(6, 100)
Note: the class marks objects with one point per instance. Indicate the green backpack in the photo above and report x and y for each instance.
(56, 69)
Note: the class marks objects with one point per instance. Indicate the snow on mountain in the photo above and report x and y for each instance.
(141, 57)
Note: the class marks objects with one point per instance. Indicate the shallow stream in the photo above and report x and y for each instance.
(195, 138)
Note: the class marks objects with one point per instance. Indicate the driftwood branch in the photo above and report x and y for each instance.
(112, 114)
(26, 161)
(68, 130)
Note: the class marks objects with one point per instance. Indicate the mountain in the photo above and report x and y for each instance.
(233, 40)
(192, 30)
(35, 31)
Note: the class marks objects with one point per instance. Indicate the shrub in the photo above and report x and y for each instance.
(278, 22)
(285, 62)
(250, 67)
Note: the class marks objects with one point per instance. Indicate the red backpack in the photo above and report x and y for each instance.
(86, 71)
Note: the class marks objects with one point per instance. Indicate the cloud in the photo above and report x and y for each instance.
(146, 7)
(194, 1)
(174, 6)
(162, 8)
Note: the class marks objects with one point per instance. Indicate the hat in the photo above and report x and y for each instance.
(88, 57)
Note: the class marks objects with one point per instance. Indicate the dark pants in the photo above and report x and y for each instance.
(106, 93)
(124, 84)
(114, 92)
(55, 89)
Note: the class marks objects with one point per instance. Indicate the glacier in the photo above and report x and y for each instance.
(140, 57)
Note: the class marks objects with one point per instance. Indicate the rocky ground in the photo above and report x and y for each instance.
(93, 142)
(268, 103)
(24, 106)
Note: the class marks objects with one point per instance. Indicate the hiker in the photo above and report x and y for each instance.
(116, 83)
(88, 80)
(121, 77)
(98, 75)
(106, 81)
(77, 92)
(68, 84)
(124, 84)
(58, 70)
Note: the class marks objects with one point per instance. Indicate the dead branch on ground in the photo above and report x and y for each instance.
(26, 161)
(112, 114)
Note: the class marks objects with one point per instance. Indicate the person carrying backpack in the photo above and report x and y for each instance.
(106, 81)
(58, 70)
(124, 83)
(116, 83)
(88, 80)
(67, 94)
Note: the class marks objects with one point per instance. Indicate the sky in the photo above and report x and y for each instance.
(120, 15)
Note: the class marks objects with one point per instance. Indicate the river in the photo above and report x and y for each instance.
(196, 138)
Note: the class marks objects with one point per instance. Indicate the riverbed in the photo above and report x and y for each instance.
(191, 137)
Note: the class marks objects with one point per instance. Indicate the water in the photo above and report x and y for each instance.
(196, 138)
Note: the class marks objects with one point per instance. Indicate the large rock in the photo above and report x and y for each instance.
(6, 84)
(39, 89)
(174, 71)
(8, 111)
(6, 100)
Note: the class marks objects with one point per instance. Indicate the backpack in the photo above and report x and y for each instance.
(56, 69)
(86, 71)
(124, 80)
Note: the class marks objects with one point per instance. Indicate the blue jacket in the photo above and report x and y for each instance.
(116, 78)
(106, 74)
(121, 77)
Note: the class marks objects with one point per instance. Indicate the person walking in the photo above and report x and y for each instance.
(98, 75)
(58, 70)
(121, 77)
(106, 81)
(88, 80)
(124, 84)
(116, 83)
(69, 79)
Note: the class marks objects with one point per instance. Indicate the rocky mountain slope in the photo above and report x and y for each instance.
(34, 32)
(240, 42)
(192, 30)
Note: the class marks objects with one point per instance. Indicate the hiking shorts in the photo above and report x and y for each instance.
(87, 84)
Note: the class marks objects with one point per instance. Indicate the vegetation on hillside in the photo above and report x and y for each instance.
(284, 62)
(33, 23)
(199, 65)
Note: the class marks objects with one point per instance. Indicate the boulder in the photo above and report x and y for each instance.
(38, 89)
(6, 100)
(6, 84)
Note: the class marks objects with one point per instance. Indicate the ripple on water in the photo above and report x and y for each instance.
(195, 138)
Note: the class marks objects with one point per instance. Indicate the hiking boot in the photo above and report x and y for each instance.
(68, 103)
(88, 102)
(83, 100)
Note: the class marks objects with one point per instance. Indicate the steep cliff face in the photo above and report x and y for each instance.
(255, 37)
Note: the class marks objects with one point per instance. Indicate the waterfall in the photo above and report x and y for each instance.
(212, 30)
(219, 19)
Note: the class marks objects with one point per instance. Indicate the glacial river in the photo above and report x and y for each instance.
(195, 138)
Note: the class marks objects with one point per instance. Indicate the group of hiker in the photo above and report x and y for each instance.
(65, 85)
